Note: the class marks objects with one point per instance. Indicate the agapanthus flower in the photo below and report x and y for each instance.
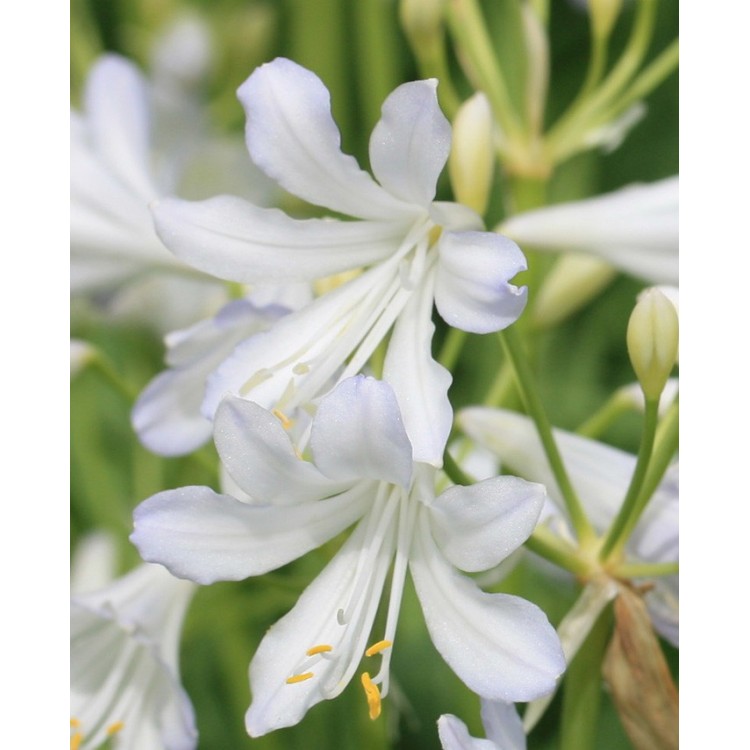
(124, 667)
(601, 474)
(502, 726)
(411, 249)
(362, 473)
(135, 140)
(635, 229)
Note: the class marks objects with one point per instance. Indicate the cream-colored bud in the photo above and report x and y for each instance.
(422, 19)
(653, 332)
(82, 354)
(471, 164)
(574, 280)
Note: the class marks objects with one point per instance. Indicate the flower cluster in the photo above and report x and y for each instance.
(320, 325)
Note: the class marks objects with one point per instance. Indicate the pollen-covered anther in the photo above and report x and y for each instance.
(75, 740)
(113, 729)
(286, 423)
(299, 678)
(376, 648)
(321, 649)
(373, 695)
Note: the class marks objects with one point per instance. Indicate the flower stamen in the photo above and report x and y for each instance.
(286, 423)
(299, 678)
(373, 695)
(113, 729)
(321, 649)
(376, 648)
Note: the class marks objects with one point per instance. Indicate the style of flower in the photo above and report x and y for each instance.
(411, 251)
(362, 473)
(502, 725)
(635, 229)
(125, 683)
(601, 474)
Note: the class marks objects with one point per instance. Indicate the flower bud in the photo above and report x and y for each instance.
(82, 354)
(574, 280)
(422, 19)
(652, 340)
(604, 14)
(471, 164)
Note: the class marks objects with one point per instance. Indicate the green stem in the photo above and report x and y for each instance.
(534, 407)
(105, 367)
(545, 544)
(501, 386)
(646, 570)
(582, 688)
(470, 35)
(615, 538)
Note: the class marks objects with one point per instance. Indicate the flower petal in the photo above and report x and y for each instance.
(501, 646)
(292, 137)
(315, 620)
(635, 228)
(503, 725)
(205, 537)
(478, 526)
(358, 433)
(455, 736)
(117, 109)
(233, 239)
(260, 457)
(473, 290)
(410, 144)
(167, 415)
(419, 382)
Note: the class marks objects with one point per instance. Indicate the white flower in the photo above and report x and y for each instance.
(167, 415)
(600, 474)
(636, 229)
(502, 726)
(125, 683)
(414, 251)
(501, 646)
(133, 142)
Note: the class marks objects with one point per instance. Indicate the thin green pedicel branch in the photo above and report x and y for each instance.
(526, 384)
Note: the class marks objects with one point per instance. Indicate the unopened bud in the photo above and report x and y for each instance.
(422, 19)
(471, 164)
(573, 281)
(82, 354)
(604, 14)
(653, 332)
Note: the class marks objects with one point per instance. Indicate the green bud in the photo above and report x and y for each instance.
(471, 164)
(604, 14)
(652, 337)
(422, 20)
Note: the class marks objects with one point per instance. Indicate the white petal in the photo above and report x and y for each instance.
(167, 415)
(314, 621)
(292, 137)
(501, 646)
(358, 433)
(260, 457)
(419, 382)
(233, 239)
(205, 537)
(410, 144)
(599, 472)
(478, 526)
(503, 725)
(473, 290)
(455, 736)
(117, 109)
(635, 228)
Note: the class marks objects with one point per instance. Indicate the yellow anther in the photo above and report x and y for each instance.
(319, 649)
(75, 722)
(376, 648)
(299, 678)
(329, 283)
(434, 235)
(75, 741)
(286, 423)
(373, 695)
(114, 728)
